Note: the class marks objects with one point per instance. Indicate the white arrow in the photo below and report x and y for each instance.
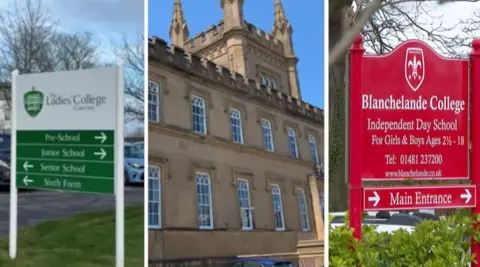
(26, 180)
(375, 199)
(26, 166)
(102, 153)
(101, 137)
(467, 196)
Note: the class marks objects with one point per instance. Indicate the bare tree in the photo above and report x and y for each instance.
(30, 42)
(73, 51)
(359, 14)
(384, 24)
(24, 33)
(131, 53)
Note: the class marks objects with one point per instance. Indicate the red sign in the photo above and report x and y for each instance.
(421, 197)
(414, 115)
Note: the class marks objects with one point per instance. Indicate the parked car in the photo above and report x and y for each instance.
(386, 221)
(258, 262)
(5, 160)
(134, 163)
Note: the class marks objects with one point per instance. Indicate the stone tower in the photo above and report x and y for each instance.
(241, 47)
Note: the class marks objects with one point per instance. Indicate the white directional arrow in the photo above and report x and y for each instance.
(375, 199)
(102, 137)
(102, 153)
(466, 196)
(26, 180)
(26, 166)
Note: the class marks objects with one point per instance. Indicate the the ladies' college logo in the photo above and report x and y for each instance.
(33, 102)
(414, 67)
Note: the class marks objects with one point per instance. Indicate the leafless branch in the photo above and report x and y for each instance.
(389, 10)
(131, 53)
(30, 42)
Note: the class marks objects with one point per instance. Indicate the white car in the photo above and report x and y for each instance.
(388, 221)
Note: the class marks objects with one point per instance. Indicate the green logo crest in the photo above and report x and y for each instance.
(33, 101)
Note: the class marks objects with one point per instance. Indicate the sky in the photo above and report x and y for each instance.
(452, 13)
(109, 21)
(306, 20)
(432, 15)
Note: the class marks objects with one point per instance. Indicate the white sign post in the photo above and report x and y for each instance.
(71, 122)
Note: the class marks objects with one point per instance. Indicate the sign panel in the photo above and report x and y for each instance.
(65, 132)
(67, 160)
(421, 197)
(414, 116)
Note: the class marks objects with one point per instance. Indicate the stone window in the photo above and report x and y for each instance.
(292, 142)
(153, 101)
(268, 81)
(154, 198)
(302, 206)
(277, 207)
(313, 148)
(267, 135)
(204, 201)
(244, 204)
(236, 124)
(199, 118)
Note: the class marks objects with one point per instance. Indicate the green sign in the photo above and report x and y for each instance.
(69, 160)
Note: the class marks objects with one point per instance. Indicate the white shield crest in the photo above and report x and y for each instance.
(414, 67)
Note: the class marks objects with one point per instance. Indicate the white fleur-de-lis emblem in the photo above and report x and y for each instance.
(414, 67)
(415, 64)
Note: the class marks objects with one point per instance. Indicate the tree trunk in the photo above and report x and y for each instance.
(338, 193)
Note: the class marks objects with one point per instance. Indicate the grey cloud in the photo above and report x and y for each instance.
(124, 13)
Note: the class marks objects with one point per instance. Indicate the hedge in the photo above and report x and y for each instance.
(431, 244)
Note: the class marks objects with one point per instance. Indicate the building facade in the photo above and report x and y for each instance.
(5, 108)
(233, 150)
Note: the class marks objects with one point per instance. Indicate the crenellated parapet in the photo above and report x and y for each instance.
(177, 58)
(215, 33)
(205, 39)
(265, 39)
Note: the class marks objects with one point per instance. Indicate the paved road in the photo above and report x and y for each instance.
(39, 206)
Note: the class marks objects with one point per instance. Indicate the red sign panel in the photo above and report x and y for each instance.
(414, 116)
(422, 197)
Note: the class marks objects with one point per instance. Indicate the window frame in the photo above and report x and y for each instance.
(277, 186)
(262, 123)
(205, 174)
(204, 121)
(159, 169)
(295, 142)
(311, 145)
(249, 208)
(240, 126)
(157, 94)
(302, 197)
(268, 80)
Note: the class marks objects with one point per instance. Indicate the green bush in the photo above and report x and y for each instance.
(431, 244)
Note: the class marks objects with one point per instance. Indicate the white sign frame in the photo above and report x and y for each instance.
(118, 119)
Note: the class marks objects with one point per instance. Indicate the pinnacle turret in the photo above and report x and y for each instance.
(279, 17)
(232, 13)
(178, 29)
(282, 30)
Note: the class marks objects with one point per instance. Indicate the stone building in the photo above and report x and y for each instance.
(233, 149)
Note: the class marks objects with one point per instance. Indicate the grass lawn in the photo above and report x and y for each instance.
(86, 240)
